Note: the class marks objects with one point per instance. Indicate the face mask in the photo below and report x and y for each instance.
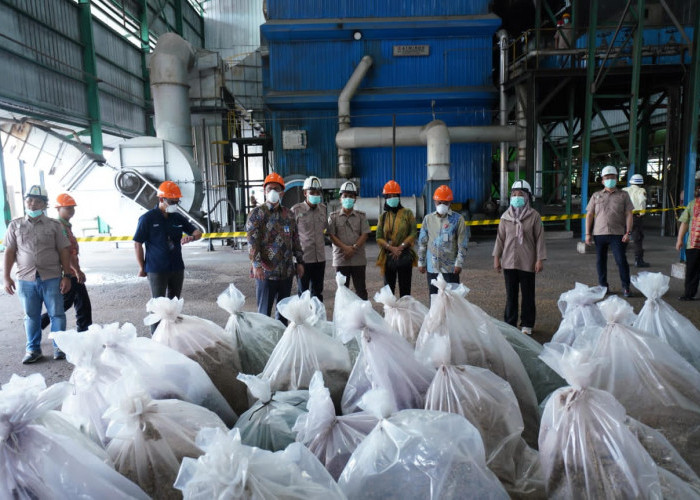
(34, 213)
(610, 183)
(314, 199)
(171, 209)
(348, 203)
(442, 209)
(272, 197)
(392, 202)
(517, 201)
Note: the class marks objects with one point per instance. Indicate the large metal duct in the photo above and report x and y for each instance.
(172, 60)
(344, 155)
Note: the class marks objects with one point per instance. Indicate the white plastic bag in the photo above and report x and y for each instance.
(404, 315)
(386, 361)
(164, 372)
(419, 454)
(344, 297)
(231, 470)
(476, 340)
(663, 321)
(268, 424)
(303, 349)
(37, 462)
(149, 438)
(255, 334)
(203, 341)
(579, 311)
(331, 439)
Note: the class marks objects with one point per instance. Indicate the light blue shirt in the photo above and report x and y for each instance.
(442, 242)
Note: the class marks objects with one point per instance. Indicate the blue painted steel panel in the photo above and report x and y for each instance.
(319, 9)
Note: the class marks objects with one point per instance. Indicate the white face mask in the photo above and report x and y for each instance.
(272, 197)
(442, 209)
(171, 209)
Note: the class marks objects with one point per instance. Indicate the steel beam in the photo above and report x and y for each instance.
(588, 110)
(145, 50)
(691, 96)
(633, 155)
(90, 68)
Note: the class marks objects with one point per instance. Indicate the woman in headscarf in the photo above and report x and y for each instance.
(690, 223)
(519, 252)
(396, 233)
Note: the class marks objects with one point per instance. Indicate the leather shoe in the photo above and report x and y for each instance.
(58, 354)
(641, 263)
(31, 357)
(685, 299)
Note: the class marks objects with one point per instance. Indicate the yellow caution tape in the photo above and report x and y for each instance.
(486, 222)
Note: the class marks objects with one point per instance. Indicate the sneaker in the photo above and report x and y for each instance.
(626, 292)
(641, 263)
(58, 354)
(527, 330)
(31, 357)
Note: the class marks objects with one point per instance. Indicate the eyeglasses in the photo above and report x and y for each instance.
(171, 202)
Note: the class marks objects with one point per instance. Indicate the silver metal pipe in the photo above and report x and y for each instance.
(376, 137)
(344, 155)
(503, 113)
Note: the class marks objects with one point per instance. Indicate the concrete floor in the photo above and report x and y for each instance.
(118, 295)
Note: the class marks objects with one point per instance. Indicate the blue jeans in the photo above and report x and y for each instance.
(614, 241)
(32, 294)
(270, 291)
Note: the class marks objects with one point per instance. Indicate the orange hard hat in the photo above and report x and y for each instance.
(169, 190)
(443, 193)
(274, 177)
(65, 200)
(392, 187)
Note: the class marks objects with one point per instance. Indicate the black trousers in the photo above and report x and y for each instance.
(312, 279)
(692, 271)
(404, 274)
(270, 292)
(449, 277)
(637, 237)
(524, 282)
(614, 242)
(358, 276)
(165, 285)
(76, 297)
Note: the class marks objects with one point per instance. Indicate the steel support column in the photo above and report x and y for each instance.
(588, 110)
(633, 156)
(91, 79)
(145, 50)
(178, 17)
(4, 203)
(691, 98)
(570, 155)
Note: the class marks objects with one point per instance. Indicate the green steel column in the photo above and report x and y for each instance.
(145, 50)
(634, 91)
(178, 17)
(4, 204)
(690, 110)
(644, 132)
(90, 69)
(588, 111)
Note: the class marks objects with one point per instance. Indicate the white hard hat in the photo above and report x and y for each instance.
(521, 185)
(312, 182)
(348, 187)
(37, 191)
(637, 179)
(609, 170)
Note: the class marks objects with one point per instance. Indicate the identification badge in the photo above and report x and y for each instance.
(286, 229)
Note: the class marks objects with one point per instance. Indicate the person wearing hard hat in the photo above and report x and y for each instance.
(442, 242)
(518, 253)
(41, 250)
(161, 231)
(396, 234)
(690, 223)
(273, 242)
(311, 216)
(348, 229)
(609, 225)
(77, 296)
(638, 195)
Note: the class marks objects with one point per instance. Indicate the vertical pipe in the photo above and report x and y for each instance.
(538, 162)
(588, 111)
(633, 155)
(344, 155)
(393, 147)
(503, 115)
(206, 158)
(570, 155)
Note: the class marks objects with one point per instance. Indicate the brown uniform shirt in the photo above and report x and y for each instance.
(311, 223)
(609, 208)
(38, 245)
(348, 228)
(512, 253)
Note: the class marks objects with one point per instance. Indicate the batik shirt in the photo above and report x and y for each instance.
(442, 243)
(273, 240)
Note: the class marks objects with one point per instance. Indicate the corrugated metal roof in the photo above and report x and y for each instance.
(319, 9)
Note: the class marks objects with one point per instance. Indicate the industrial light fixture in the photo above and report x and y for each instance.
(357, 35)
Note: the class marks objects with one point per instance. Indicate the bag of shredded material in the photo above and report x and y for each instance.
(231, 470)
(476, 340)
(579, 311)
(658, 318)
(149, 438)
(404, 315)
(255, 335)
(418, 454)
(203, 341)
(386, 361)
(488, 402)
(303, 349)
(344, 297)
(586, 447)
(269, 422)
(40, 457)
(164, 372)
(331, 439)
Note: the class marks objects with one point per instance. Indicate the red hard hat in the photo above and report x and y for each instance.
(65, 200)
(274, 177)
(443, 193)
(169, 190)
(392, 187)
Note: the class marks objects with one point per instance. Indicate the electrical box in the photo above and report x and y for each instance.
(294, 139)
